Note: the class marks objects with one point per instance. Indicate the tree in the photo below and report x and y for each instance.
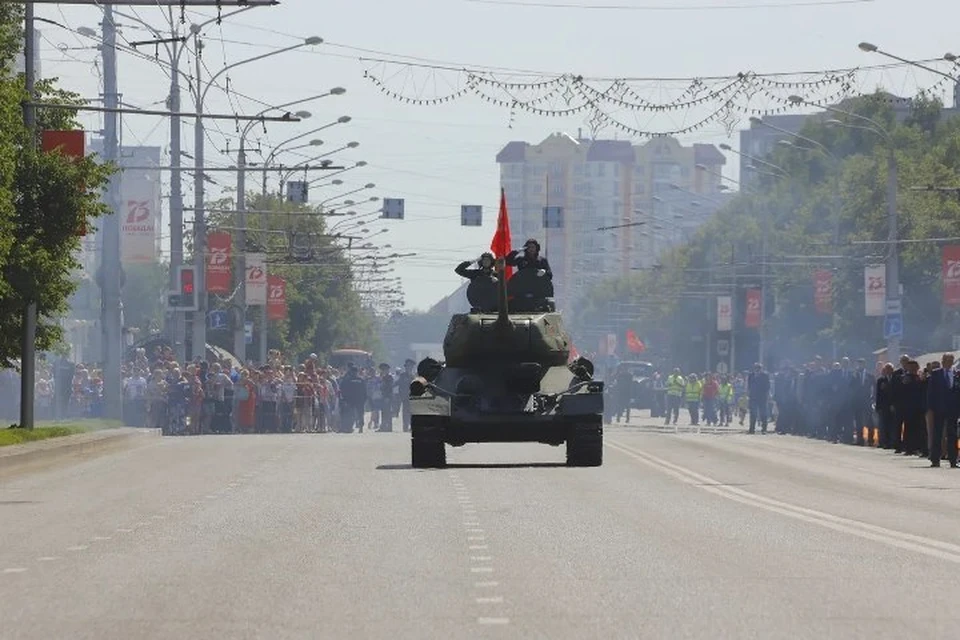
(824, 207)
(144, 296)
(323, 310)
(45, 200)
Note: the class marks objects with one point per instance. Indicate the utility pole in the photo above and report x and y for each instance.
(199, 224)
(29, 322)
(893, 253)
(175, 330)
(110, 265)
(240, 249)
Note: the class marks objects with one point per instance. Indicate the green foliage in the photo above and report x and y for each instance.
(323, 311)
(827, 206)
(45, 198)
(144, 296)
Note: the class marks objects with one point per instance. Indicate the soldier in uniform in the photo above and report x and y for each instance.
(529, 258)
(484, 267)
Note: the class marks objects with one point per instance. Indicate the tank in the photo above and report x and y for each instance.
(506, 377)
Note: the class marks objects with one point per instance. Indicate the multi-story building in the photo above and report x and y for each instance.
(620, 203)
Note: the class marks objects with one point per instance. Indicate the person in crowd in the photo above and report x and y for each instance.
(862, 400)
(385, 383)
(623, 392)
(943, 401)
(758, 393)
(691, 395)
(912, 407)
(269, 394)
(179, 394)
(676, 385)
(353, 397)
(708, 397)
(245, 403)
(725, 401)
(404, 378)
(884, 405)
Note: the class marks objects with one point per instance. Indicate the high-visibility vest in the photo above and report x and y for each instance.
(693, 390)
(675, 385)
(726, 392)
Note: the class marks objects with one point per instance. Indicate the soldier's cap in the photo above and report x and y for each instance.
(409, 362)
(384, 365)
(531, 242)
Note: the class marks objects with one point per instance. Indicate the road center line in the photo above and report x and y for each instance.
(493, 620)
(490, 600)
(15, 570)
(899, 539)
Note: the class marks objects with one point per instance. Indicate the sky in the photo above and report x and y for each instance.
(439, 157)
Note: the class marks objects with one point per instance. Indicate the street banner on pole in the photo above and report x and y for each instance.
(752, 315)
(823, 291)
(256, 284)
(951, 275)
(724, 313)
(138, 223)
(218, 262)
(875, 290)
(277, 298)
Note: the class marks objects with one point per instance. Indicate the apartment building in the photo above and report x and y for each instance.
(602, 208)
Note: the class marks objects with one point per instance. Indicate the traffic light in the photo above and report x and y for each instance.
(185, 299)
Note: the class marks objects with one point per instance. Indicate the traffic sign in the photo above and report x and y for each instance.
(248, 332)
(894, 308)
(893, 326)
(218, 320)
(722, 368)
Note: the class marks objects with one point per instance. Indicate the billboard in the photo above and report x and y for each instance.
(823, 291)
(276, 298)
(218, 262)
(951, 275)
(724, 313)
(752, 313)
(875, 290)
(256, 284)
(139, 220)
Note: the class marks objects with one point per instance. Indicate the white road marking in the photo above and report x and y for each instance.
(124, 530)
(486, 584)
(471, 524)
(478, 547)
(77, 547)
(47, 558)
(481, 569)
(159, 517)
(15, 570)
(476, 531)
(493, 620)
(490, 600)
(481, 558)
(100, 538)
(899, 539)
(476, 538)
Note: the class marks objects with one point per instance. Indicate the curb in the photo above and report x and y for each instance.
(33, 455)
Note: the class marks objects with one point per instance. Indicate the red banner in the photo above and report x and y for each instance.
(752, 318)
(71, 144)
(634, 343)
(218, 262)
(951, 275)
(823, 291)
(276, 297)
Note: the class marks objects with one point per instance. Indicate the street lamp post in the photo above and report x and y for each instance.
(893, 253)
(200, 232)
(949, 57)
(277, 148)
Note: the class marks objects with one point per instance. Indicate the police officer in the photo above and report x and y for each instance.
(676, 385)
(529, 258)
(484, 267)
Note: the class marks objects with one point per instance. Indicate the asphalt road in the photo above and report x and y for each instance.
(334, 536)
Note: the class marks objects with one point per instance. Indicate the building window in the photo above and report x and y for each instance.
(601, 169)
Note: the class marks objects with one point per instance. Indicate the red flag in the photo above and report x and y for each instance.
(951, 275)
(500, 245)
(634, 343)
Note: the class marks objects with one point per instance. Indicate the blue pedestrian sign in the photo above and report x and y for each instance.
(893, 325)
(218, 320)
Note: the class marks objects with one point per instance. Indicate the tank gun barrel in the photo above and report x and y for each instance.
(503, 319)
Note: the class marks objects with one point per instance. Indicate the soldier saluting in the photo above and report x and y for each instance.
(484, 267)
(529, 258)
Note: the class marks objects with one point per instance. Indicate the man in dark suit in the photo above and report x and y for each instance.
(861, 395)
(943, 399)
(897, 393)
(883, 395)
(758, 392)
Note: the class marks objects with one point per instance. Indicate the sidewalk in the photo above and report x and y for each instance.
(32, 455)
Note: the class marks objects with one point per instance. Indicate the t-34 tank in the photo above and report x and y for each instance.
(506, 378)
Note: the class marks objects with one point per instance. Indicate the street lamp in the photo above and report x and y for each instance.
(369, 185)
(893, 254)
(200, 232)
(277, 148)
